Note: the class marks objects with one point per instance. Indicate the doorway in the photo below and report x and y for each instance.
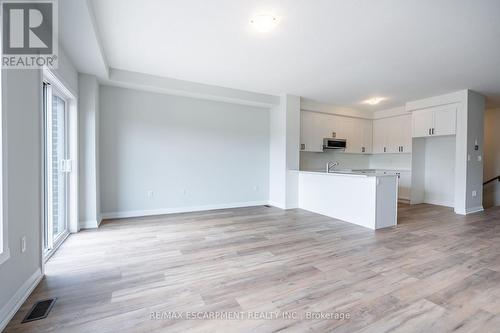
(58, 167)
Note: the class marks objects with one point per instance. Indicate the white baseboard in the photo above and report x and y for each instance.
(187, 209)
(90, 224)
(275, 204)
(468, 211)
(474, 210)
(9, 310)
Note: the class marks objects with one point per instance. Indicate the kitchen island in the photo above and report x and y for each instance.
(368, 199)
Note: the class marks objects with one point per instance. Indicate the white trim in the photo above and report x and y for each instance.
(188, 209)
(72, 113)
(57, 244)
(14, 304)
(474, 210)
(170, 86)
(276, 204)
(4, 232)
(5, 255)
(89, 224)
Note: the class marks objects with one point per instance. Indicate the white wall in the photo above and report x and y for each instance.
(284, 152)
(88, 140)
(22, 124)
(192, 153)
(22, 140)
(491, 194)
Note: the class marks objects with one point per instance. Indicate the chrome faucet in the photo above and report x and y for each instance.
(331, 165)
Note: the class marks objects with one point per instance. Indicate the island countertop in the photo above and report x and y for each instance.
(350, 173)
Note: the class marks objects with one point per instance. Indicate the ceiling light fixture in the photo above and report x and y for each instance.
(264, 23)
(374, 100)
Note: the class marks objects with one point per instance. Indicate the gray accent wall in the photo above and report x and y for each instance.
(161, 153)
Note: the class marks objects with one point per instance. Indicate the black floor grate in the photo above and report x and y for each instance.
(40, 310)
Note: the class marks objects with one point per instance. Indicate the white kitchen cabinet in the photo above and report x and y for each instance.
(423, 121)
(445, 121)
(311, 131)
(404, 187)
(404, 182)
(379, 136)
(358, 135)
(366, 136)
(392, 135)
(314, 127)
(435, 121)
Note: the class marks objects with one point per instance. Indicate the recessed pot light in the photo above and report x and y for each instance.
(264, 23)
(374, 100)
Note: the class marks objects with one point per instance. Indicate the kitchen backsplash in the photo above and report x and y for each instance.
(317, 161)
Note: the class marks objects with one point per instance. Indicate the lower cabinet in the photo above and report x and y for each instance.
(404, 188)
(404, 183)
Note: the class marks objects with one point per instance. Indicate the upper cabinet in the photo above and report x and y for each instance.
(314, 127)
(435, 121)
(392, 135)
(311, 133)
(364, 136)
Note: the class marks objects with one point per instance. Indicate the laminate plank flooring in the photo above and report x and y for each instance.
(435, 272)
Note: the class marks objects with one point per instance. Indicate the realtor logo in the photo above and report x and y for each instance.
(29, 34)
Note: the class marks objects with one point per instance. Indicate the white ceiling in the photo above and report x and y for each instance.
(332, 51)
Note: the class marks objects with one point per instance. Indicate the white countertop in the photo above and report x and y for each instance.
(350, 173)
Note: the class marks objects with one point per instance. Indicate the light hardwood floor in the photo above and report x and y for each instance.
(435, 272)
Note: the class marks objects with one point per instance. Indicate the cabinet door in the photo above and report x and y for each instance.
(353, 135)
(404, 188)
(310, 132)
(423, 122)
(367, 136)
(379, 136)
(406, 134)
(445, 121)
(392, 127)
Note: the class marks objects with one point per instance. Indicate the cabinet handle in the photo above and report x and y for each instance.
(402, 149)
(433, 131)
(385, 149)
(429, 131)
(362, 149)
(302, 146)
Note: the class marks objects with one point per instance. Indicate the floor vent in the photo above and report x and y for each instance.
(40, 310)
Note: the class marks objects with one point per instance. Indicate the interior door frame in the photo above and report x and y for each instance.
(72, 183)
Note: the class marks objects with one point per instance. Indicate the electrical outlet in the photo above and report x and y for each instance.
(256, 188)
(479, 158)
(150, 194)
(23, 244)
(184, 192)
(474, 194)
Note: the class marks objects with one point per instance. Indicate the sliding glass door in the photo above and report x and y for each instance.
(57, 168)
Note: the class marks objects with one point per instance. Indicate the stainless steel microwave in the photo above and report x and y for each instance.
(332, 143)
